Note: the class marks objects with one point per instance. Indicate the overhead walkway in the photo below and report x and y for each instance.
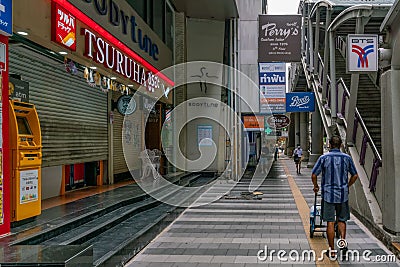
(349, 104)
(232, 231)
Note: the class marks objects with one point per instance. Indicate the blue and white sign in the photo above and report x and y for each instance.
(300, 102)
(272, 78)
(6, 21)
(362, 53)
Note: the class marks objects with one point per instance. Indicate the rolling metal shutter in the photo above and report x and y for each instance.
(73, 115)
(133, 133)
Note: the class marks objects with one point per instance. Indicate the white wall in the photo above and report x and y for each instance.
(248, 51)
(205, 42)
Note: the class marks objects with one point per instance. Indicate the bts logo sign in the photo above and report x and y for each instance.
(362, 53)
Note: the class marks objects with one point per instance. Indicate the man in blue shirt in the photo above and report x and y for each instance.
(335, 184)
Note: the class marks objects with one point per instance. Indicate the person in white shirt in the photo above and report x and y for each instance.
(297, 154)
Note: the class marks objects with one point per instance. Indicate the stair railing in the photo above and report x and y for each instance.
(343, 99)
(367, 146)
(341, 45)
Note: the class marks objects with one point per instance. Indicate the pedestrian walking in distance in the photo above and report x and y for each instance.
(335, 167)
(297, 154)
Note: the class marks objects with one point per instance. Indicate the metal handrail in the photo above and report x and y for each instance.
(344, 86)
(320, 60)
(366, 132)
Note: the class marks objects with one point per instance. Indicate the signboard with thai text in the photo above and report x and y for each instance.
(253, 123)
(272, 87)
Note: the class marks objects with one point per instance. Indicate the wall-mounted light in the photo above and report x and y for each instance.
(23, 33)
(93, 68)
(63, 53)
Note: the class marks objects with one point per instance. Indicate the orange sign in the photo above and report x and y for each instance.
(253, 123)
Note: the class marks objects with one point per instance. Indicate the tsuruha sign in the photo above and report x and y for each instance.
(103, 52)
(300, 102)
(362, 53)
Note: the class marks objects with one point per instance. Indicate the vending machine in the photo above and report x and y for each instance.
(26, 160)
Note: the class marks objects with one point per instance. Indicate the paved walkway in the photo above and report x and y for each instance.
(232, 232)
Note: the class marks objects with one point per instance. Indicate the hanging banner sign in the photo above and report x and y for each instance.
(363, 53)
(253, 123)
(272, 87)
(63, 27)
(279, 38)
(300, 102)
(278, 121)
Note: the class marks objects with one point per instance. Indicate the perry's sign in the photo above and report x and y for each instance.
(278, 121)
(279, 38)
(300, 102)
(362, 53)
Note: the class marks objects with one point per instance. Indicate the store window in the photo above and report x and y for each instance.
(158, 18)
(159, 15)
(169, 26)
(140, 7)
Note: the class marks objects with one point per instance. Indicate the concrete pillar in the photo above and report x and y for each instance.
(316, 42)
(292, 135)
(310, 47)
(297, 128)
(316, 138)
(326, 55)
(333, 96)
(304, 134)
(391, 150)
(355, 78)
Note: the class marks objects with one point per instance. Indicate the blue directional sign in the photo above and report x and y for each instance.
(6, 22)
(300, 102)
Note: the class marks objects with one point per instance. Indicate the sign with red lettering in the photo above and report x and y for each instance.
(63, 27)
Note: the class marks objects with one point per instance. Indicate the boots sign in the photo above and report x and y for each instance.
(279, 38)
(300, 102)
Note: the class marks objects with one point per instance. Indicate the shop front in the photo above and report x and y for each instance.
(78, 59)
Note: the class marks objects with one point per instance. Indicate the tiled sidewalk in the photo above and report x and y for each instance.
(231, 232)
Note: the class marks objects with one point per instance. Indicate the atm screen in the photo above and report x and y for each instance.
(23, 126)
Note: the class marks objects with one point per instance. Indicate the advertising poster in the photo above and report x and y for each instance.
(272, 87)
(279, 38)
(203, 132)
(29, 186)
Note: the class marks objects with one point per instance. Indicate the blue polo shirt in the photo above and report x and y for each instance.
(335, 167)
